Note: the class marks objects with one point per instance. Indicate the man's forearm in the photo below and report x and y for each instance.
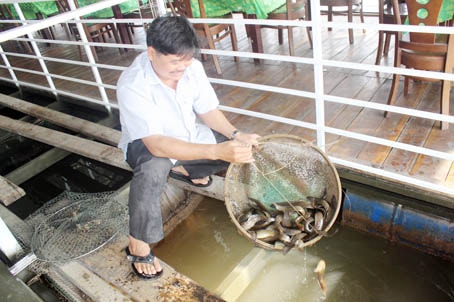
(164, 146)
(217, 121)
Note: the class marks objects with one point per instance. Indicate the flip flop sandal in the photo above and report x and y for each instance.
(188, 180)
(138, 259)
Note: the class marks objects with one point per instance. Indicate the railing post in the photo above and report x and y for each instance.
(35, 47)
(91, 59)
(318, 72)
(10, 69)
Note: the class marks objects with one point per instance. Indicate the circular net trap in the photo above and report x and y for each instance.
(73, 225)
(289, 197)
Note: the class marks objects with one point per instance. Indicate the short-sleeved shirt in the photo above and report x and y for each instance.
(148, 107)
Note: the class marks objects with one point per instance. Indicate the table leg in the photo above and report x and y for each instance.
(255, 34)
(350, 20)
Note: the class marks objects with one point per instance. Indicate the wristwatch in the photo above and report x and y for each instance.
(234, 133)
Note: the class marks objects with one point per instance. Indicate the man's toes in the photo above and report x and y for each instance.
(201, 181)
(157, 265)
(150, 269)
(145, 268)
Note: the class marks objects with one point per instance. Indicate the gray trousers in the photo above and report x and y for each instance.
(148, 181)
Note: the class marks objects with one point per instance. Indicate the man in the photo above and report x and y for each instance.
(160, 96)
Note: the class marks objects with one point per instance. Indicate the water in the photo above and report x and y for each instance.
(207, 248)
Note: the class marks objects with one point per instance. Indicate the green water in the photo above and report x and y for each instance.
(208, 249)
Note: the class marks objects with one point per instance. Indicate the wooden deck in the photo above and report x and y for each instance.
(364, 85)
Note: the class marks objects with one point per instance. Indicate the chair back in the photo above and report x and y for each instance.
(5, 12)
(182, 8)
(63, 6)
(296, 9)
(421, 13)
(202, 9)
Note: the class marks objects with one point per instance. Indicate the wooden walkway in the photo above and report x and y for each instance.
(364, 85)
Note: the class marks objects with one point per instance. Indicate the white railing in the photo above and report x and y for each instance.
(319, 63)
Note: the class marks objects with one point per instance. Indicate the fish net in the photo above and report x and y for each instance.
(70, 226)
(290, 196)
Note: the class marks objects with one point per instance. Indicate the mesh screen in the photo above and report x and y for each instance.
(290, 196)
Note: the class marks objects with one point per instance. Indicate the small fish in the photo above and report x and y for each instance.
(264, 222)
(320, 270)
(251, 221)
(267, 235)
(318, 224)
(287, 219)
(284, 230)
(300, 223)
(286, 239)
(279, 245)
(309, 225)
(319, 203)
(298, 237)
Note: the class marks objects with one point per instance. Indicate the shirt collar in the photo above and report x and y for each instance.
(150, 74)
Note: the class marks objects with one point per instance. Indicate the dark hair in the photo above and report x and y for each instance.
(172, 35)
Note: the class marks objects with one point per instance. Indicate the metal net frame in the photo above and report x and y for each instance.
(70, 226)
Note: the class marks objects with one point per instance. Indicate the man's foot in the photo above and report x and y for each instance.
(205, 181)
(140, 251)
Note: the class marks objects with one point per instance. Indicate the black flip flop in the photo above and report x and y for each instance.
(188, 180)
(138, 259)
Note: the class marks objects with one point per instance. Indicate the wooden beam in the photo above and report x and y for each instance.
(43, 161)
(36, 165)
(94, 150)
(9, 192)
(90, 129)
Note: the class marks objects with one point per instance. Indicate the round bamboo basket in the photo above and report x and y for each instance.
(286, 168)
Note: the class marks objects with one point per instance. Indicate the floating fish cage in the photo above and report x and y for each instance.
(290, 196)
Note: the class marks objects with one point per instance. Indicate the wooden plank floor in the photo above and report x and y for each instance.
(365, 85)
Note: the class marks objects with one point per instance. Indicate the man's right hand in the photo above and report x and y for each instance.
(235, 152)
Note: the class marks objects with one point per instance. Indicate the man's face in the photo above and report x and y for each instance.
(168, 67)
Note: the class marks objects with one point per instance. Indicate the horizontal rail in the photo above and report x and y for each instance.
(340, 100)
(75, 80)
(57, 19)
(58, 60)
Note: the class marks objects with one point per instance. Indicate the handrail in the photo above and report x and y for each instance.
(319, 96)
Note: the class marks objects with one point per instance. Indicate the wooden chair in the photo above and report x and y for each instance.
(424, 51)
(291, 10)
(351, 7)
(211, 32)
(386, 16)
(63, 7)
(95, 32)
(143, 11)
(6, 14)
